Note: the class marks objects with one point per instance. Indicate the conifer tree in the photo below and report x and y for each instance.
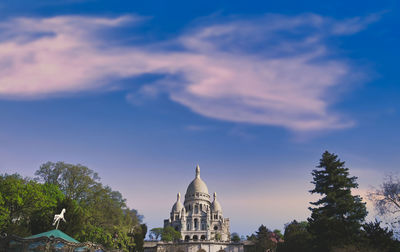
(336, 218)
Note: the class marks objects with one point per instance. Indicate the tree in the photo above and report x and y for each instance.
(336, 218)
(278, 233)
(27, 207)
(139, 237)
(170, 234)
(263, 240)
(380, 238)
(156, 232)
(94, 213)
(76, 181)
(235, 237)
(113, 224)
(76, 217)
(296, 237)
(387, 200)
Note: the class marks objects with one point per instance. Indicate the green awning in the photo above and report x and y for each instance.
(56, 234)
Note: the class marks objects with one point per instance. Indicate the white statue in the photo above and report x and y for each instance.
(59, 217)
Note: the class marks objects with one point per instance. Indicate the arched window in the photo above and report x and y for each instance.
(215, 227)
(195, 238)
(187, 238)
(188, 226)
(196, 209)
(203, 237)
(196, 224)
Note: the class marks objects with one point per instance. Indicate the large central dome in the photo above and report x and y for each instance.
(197, 186)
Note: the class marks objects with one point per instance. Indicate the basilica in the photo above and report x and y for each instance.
(200, 221)
(197, 218)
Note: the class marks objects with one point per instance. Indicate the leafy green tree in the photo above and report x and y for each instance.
(41, 218)
(51, 173)
(296, 238)
(94, 212)
(75, 216)
(156, 232)
(336, 218)
(28, 206)
(4, 213)
(139, 237)
(235, 237)
(170, 234)
(76, 181)
(278, 233)
(263, 240)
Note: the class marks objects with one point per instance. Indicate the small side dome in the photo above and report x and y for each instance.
(178, 206)
(216, 207)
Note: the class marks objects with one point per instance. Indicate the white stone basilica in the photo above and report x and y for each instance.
(200, 222)
(198, 218)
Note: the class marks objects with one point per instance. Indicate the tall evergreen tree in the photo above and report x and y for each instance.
(336, 218)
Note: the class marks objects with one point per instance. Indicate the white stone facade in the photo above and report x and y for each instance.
(199, 219)
(199, 246)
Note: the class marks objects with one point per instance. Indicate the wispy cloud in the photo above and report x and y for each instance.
(274, 70)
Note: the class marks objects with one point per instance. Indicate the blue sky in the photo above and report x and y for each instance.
(253, 92)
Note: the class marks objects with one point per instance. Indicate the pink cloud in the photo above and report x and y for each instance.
(286, 83)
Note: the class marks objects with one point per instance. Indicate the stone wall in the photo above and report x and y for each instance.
(202, 246)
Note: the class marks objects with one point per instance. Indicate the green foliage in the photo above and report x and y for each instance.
(336, 219)
(380, 238)
(296, 238)
(75, 216)
(235, 237)
(354, 248)
(27, 206)
(94, 212)
(76, 181)
(170, 234)
(156, 232)
(139, 236)
(263, 240)
(278, 233)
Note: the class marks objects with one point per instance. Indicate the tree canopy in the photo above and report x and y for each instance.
(94, 213)
(156, 233)
(337, 216)
(263, 240)
(170, 234)
(296, 237)
(26, 206)
(235, 237)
